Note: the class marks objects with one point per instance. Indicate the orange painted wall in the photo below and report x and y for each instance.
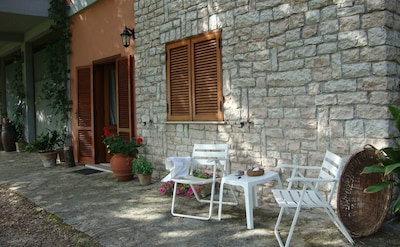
(95, 36)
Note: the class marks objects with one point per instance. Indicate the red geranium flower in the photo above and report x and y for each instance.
(106, 132)
(116, 144)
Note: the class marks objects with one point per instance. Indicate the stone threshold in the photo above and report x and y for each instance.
(104, 167)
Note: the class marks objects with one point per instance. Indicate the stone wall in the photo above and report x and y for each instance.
(300, 77)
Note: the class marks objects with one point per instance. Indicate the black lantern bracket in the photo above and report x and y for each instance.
(126, 36)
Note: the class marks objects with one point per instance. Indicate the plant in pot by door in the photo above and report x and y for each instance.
(143, 169)
(17, 91)
(46, 144)
(123, 152)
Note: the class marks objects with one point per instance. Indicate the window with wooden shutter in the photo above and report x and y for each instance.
(194, 79)
(85, 115)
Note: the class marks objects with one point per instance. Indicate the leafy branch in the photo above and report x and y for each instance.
(55, 90)
(389, 165)
(17, 91)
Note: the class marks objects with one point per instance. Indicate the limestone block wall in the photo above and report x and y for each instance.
(300, 77)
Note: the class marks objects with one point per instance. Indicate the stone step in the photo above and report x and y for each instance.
(105, 167)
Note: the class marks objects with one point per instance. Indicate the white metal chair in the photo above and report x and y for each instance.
(310, 196)
(213, 156)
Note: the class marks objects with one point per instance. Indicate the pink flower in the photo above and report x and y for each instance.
(189, 192)
(163, 191)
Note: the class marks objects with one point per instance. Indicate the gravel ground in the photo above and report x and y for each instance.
(24, 224)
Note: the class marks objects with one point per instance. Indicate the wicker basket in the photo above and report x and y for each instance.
(362, 213)
(252, 173)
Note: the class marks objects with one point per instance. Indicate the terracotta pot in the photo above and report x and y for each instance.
(48, 158)
(121, 166)
(144, 179)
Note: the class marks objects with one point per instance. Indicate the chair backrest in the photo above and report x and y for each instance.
(206, 154)
(331, 168)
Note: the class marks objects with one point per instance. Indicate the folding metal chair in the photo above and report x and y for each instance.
(211, 156)
(310, 196)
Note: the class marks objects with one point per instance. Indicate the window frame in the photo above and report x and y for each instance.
(194, 78)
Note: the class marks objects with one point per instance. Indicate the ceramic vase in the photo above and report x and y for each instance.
(121, 166)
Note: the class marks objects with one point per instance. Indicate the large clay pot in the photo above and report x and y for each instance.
(8, 137)
(121, 166)
(48, 158)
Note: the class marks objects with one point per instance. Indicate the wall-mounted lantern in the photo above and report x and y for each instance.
(126, 36)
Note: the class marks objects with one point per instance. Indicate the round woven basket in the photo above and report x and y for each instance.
(362, 213)
(252, 173)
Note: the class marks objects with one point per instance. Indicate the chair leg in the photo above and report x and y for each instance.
(187, 215)
(339, 224)
(221, 196)
(276, 230)
(278, 221)
(173, 199)
(296, 216)
(211, 201)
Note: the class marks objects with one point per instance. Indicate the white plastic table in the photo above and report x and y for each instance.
(249, 185)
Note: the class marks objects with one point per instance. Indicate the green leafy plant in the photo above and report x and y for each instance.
(117, 145)
(389, 165)
(54, 90)
(142, 166)
(46, 142)
(17, 91)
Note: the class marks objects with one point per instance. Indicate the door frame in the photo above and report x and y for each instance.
(124, 66)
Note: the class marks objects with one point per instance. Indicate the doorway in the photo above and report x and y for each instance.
(105, 106)
(106, 97)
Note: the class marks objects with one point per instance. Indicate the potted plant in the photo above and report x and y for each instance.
(17, 91)
(143, 169)
(389, 165)
(122, 154)
(46, 144)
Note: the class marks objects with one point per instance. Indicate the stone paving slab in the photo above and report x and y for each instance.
(128, 214)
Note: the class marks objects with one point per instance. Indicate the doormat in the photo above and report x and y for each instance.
(87, 171)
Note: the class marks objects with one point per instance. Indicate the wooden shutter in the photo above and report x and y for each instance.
(125, 98)
(206, 77)
(194, 79)
(85, 115)
(178, 81)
